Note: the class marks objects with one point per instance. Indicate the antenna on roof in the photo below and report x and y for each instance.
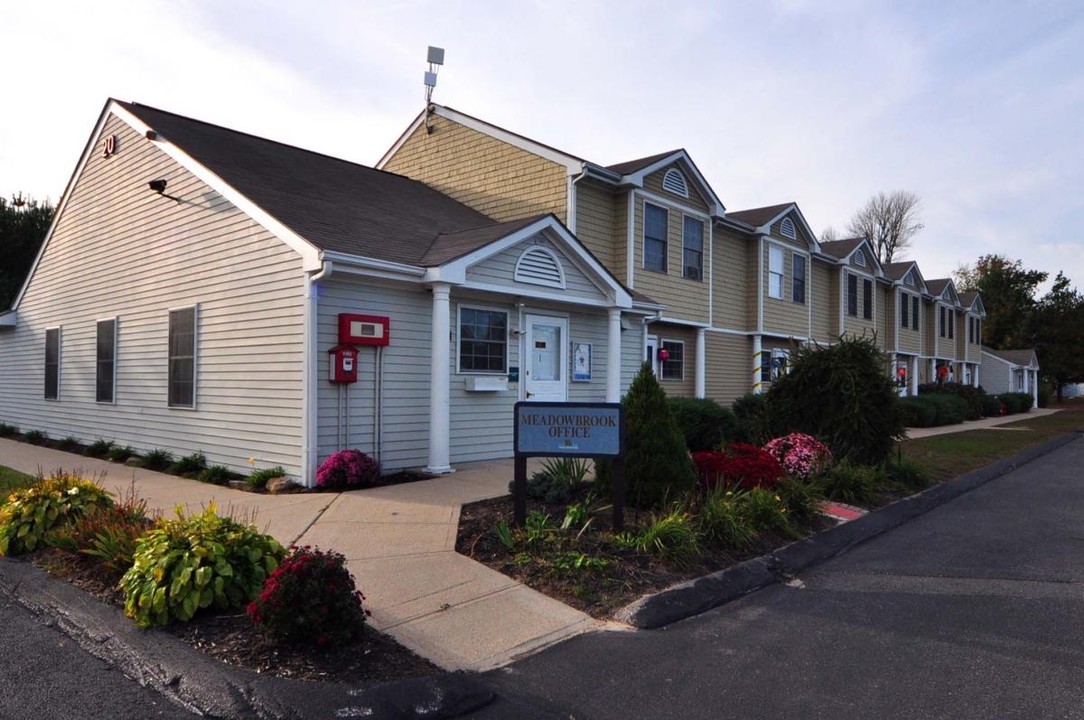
(436, 59)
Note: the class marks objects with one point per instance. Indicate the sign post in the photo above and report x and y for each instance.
(555, 429)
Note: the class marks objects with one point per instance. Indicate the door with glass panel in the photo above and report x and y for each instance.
(546, 372)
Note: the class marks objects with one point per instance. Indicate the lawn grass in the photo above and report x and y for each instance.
(948, 456)
(11, 480)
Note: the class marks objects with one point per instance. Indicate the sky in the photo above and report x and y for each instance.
(976, 107)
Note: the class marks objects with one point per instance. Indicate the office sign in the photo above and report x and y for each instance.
(555, 429)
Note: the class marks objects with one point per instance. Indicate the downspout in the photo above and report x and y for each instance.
(572, 214)
(309, 375)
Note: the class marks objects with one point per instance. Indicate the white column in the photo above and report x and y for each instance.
(1034, 388)
(439, 371)
(914, 375)
(701, 345)
(975, 375)
(613, 357)
(758, 349)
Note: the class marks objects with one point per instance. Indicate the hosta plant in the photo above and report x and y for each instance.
(310, 599)
(347, 469)
(29, 515)
(109, 534)
(802, 456)
(193, 562)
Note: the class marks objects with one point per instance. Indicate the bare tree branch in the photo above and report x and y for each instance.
(829, 234)
(889, 221)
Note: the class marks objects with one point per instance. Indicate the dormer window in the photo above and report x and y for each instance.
(786, 229)
(673, 181)
(860, 259)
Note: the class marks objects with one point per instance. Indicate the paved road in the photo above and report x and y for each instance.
(975, 610)
(44, 675)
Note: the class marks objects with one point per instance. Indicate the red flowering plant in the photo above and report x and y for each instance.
(802, 456)
(346, 469)
(741, 464)
(310, 599)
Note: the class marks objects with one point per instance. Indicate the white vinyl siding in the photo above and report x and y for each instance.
(500, 270)
(120, 250)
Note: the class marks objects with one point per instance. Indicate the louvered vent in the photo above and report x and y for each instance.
(539, 266)
(860, 259)
(910, 279)
(673, 181)
(786, 229)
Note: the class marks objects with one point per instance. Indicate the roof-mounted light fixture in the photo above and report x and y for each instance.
(436, 59)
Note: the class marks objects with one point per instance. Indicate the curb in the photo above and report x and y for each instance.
(212, 688)
(702, 594)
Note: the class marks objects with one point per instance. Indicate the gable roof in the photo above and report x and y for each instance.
(1014, 357)
(631, 166)
(758, 217)
(896, 270)
(972, 301)
(842, 248)
(334, 204)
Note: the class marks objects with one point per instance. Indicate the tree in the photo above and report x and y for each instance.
(1008, 294)
(888, 221)
(829, 234)
(1058, 333)
(23, 225)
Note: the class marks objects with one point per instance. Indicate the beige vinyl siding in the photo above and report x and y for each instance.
(684, 299)
(621, 235)
(784, 316)
(121, 251)
(686, 387)
(880, 316)
(728, 366)
(929, 327)
(825, 303)
(857, 325)
(500, 270)
(653, 184)
(731, 281)
(910, 340)
(595, 223)
(489, 175)
(755, 291)
(801, 242)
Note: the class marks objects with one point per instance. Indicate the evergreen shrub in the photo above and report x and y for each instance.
(972, 396)
(1016, 402)
(991, 406)
(705, 423)
(753, 419)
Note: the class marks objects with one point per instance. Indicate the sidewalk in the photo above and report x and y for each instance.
(399, 542)
(983, 424)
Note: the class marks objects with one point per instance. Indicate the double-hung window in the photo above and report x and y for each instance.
(106, 361)
(905, 302)
(673, 367)
(693, 249)
(52, 363)
(941, 320)
(951, 323)
(182, 358)
(852, 295)
(656, 220)
(867, 299)
(775, 272)
(797, 283)
(483, 340)
(914, 312)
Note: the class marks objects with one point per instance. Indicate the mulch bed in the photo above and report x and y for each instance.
(230, 636)
(597, 591)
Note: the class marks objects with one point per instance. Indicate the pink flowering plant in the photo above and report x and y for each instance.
(347, 469)
(310, 599)
(802, 456)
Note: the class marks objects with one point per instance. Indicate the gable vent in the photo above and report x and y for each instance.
(909, 280)
(539, 266)
(673, 181)
(860, 259)
(786, 229)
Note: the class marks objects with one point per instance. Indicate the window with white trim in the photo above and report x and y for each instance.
(483, 340)
(867, 299)
(914, 312)
(852, 295)
(797, 280)
(775, 272)
(182, 358)
(951, 323)
(52, 363)
(941, 331)
(105, 361)
(673, 181)
(656, 220)
(693, 249)
(673, 367)
(905, 302)
(780, 363)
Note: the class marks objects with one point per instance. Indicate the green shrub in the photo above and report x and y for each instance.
(108, 534)
(907, 473)
(216, 475)
(972, 396)
(545, 488)
(8, 431)
(30, 515)
(951, 410)
(841, 395)
(310, 599)
(918, 412)
(100, 448)
(1016, 402)
(801, 499)
(70, 444)
(190, 466)
(258, 478)
(193, 562)
(991, 406)
(851, 483)
(705, 423)
(158, 459)
(723, 519)
(672, 536)
(35, 437)
(657, 464)
(121, 454)
(753, 420)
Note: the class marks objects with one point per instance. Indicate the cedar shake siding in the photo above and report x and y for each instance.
(653, 184)
(729, 371)
(121, 251)
(493, 177)
(684, 298)
(595, 224)
(731, 282)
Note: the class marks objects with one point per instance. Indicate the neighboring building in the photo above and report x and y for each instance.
(193, 282)
(1011, 371)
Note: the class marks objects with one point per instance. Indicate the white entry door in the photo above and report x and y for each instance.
(546, 374)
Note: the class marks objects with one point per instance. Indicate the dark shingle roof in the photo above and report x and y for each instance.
(631, 166)
(841, 248)
(449, 246)
(758, 216)
(334, 204)
(968, 298)
(896, 270)
(1016, 357)
(936, 287)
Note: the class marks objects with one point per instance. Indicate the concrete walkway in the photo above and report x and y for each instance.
(983, 424)
(399, 542)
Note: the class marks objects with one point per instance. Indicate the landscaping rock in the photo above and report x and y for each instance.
(280, 484)
(239, 484)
